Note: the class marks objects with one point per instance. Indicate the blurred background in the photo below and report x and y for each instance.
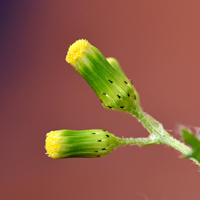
(156, 42)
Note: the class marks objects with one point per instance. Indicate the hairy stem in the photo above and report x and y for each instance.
(158, 135)
(139, 141)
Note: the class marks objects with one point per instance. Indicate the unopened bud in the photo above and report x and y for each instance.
(108, 81)
(85, 143)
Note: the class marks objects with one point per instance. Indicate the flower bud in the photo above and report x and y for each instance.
(115, 64)
(108, 81)
(85, 143)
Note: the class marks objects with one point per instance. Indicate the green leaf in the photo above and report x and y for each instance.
(190, 139)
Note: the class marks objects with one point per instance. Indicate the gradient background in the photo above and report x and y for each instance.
(158, 45)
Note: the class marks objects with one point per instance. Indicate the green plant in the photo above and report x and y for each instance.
(116, 92)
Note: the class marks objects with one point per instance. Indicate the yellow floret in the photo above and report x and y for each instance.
(76, 51)
(51, 146)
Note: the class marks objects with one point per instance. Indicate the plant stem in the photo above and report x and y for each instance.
(158, 135)
(138, 141)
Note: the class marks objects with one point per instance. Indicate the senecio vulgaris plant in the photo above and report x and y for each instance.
(116, 92)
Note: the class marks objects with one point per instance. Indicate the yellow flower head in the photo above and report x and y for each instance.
(52, 146)
(76, 51)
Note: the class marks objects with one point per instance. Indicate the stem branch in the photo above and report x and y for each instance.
(158, 135)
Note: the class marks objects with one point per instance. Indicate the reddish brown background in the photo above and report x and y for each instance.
(158, 45)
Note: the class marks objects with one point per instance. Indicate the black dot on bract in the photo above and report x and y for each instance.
(128, 95)
(125, 82)
(107, 136)
(96, 151)
(109, 107)
(98, 140)
(98, 156)
(110, 81)
(103, 93)
(134, 96)
(103, 130)
(93, 133)
(119, 96)
(121, 106)
(103, 149)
